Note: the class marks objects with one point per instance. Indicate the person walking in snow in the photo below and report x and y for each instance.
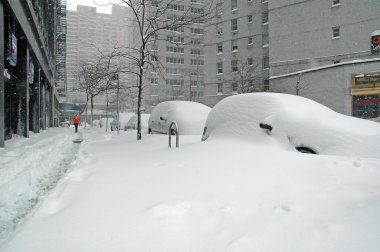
(76, 120)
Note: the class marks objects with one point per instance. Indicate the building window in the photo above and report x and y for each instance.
(266, 85)
(195, 83)
(234, 25)
(250, 61)
(175, 82)
(250, 18)
(336, 32)
(265, 62)
(196, 51)
(265, 40)
(233, 4)
(220, 88)
(219, 48)
(174, 49)
(234, 45)
(154, 81)
(234, 87)
(335, 3)
(366, 106)
(175, 39)
(197, 62)
(265, 17)
(219, 29)
(234, 66)
(219, 67)
(195, 41)
(196, 31)
(170, 60)
(250, 40)
(153, 57)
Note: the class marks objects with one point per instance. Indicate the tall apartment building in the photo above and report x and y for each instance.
(236, 49)
(180, 55)
(88, 33)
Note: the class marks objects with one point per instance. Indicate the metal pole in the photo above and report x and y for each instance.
(118, 115)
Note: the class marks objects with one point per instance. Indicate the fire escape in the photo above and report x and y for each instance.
(61, 34)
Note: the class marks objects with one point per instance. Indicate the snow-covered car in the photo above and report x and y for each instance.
(189, 117)
(292, 122)
(132, 123)
(65, 124)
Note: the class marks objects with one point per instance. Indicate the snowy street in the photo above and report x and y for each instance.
(113, 193)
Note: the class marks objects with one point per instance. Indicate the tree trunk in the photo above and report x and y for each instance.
(92, 111)
(139, 105)
(107, 111)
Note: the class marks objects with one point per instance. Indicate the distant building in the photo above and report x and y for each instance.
(28, 96)
(181, 58)
(88, 33)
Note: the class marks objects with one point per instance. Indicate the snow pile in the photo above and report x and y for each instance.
(190, 117)
(29, 168)
(296, 122)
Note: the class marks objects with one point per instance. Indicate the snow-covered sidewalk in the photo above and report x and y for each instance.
(220, 195)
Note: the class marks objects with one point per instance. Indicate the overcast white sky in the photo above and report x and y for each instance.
(101, 5)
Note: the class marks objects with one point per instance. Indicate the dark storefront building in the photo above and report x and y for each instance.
(28, 66)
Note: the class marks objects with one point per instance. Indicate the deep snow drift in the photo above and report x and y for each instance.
(218, 195)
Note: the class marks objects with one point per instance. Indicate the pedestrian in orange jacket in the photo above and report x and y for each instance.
(76, 120)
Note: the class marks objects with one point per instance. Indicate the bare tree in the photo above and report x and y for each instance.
(91, 82)
(245, 75)
(150, 17)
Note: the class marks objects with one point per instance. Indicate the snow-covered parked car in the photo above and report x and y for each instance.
(292, 122)
(132, 123)
(189, 116)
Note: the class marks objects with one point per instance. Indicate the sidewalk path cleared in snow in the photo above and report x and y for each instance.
(29, 168)
(218, 195)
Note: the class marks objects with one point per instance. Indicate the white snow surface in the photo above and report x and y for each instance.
(119, 194)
